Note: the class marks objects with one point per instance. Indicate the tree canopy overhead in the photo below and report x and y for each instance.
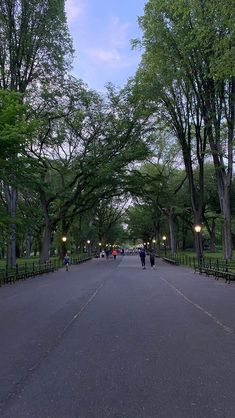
(34, 42)
(188, 71)
(67, 150)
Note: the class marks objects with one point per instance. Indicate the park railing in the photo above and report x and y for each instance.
(34, 268)
(205, 262)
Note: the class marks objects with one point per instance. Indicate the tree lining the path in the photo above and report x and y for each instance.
(187, 70)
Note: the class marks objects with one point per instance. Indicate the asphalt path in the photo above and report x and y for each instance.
(108, 339)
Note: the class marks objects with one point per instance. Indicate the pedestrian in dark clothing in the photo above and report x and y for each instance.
(152, 259)
(66, 261)
(142, 257)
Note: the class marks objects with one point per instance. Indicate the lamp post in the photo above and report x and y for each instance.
(89, 246)
(197, 229)
(100, 244)
(154, 244)
(164, 242)
(63, 239)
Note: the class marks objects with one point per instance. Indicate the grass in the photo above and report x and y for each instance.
(207, 254)
(212, 259)
(29, 261)
(23, 261)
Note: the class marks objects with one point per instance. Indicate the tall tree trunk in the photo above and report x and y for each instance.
(226, 229)
(198, 237)
(45, 251)
(223, 170)
(184, 236)
(158, 237)
(171, 225)
(211, 232)
(11, 202)
(198, 246)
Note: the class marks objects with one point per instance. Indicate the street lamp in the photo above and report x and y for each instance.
(63, 239)
(197, 229)
(89, 246)
(164, 242)
(154, 244)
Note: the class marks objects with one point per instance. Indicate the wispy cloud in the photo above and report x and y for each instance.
(74, 9)
(104, 55)
(117, 32)
(110, 46)
(101, 32)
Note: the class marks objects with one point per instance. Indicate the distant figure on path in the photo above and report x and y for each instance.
(114, 254)
(142, 257)
(66, 261)
(152, 258)
(107, 253)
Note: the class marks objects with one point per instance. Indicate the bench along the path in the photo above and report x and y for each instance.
(216, 271)
(169, 260)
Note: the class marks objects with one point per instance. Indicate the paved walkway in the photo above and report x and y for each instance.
(108, 339)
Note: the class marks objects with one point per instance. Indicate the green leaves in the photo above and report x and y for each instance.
(34, 42)
(13, 125)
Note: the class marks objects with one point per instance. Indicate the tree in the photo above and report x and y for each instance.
(15, 131)
(196, 40)
(81, 149)
(141, 223)
(34, 44)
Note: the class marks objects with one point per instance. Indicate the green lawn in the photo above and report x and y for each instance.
(207, 254)
(36, 260)
(28, 261)
(189, 258)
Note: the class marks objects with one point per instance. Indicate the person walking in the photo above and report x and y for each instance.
(152, 259)
(66, 261)
(107, 251)
(114, 254)
(142, 257)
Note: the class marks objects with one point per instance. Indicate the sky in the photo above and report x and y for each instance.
(101, 32)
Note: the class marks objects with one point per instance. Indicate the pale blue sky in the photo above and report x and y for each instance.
(101, 31)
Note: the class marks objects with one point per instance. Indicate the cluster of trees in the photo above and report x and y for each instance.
(64, 147)
(162, 206)
(187, 73)
(69, 154)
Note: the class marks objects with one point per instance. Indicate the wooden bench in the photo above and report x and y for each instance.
(169, 260)
(228, 275)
